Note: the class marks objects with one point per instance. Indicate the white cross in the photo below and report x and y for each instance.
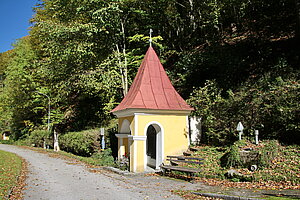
(150, 40)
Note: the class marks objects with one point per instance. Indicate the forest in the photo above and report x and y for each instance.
(232, 60)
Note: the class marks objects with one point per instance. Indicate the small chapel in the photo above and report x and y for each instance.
(152, 118)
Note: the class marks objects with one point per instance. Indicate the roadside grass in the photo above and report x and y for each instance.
(284, 168)
(102, 158)
(99, 159)
(211, 167)
(10, 169)
(282, 172)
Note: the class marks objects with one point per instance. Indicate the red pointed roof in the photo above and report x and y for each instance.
(152, 89)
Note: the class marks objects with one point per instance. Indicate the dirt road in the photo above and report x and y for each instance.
(55, 178)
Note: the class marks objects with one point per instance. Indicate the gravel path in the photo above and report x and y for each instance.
(55, 178)
(58, 179)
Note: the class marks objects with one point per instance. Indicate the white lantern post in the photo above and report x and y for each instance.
(102, 138)
(256, 137)
(49, 114)
(240, 129)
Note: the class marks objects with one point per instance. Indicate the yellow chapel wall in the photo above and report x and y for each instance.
(175, 135)
(126, 142)
(130, 119)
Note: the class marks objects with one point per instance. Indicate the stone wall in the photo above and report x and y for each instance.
(249, 157)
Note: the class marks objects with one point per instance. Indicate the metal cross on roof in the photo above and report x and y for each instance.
(150, 40)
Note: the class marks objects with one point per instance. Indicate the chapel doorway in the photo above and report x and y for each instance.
(154, 146)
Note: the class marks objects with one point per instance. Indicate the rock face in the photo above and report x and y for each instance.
(249, 158)
(233, 174)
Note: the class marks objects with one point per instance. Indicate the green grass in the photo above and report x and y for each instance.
(6, 141)
(285, 167)
(10, 169)
(98, 159)
(211, 167)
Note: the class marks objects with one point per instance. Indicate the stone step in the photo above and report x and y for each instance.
(193, 149)
(187, 153)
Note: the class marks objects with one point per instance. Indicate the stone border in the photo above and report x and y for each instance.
(226, 197)
(125, 173)
(118, 171)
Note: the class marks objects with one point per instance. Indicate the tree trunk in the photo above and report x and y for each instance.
(297, 6)
(123, 64)
(125, 61)
(123, 71)
(191, 13)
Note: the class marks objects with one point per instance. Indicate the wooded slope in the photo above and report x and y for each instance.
(85, 54)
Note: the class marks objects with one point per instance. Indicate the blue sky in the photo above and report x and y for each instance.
(15, 16)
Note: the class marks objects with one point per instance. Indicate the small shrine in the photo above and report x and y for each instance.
(5, 135)
(153, 118)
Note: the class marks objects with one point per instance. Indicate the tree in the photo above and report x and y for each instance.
(297, 20)
(17, 105)
(77, 41)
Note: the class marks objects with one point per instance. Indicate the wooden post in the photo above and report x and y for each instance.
(56, 144)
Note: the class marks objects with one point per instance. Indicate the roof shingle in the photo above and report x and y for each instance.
(152, 89)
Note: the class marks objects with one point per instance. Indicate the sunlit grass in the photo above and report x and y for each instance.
(10, 169)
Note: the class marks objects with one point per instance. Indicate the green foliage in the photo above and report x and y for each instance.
(278, 198)
(6, 141)
(268, 153)
(211, 167)
(283, 164)
(38, 137)
(17, 104)
(237, 178)
(10, 168)
(241, 143)
(84, 54)
(283, 168)
(211, 107)
(22, 142)
(84, 143)
(112, 130)
(269, 105)
(232, 157)
(104, 158)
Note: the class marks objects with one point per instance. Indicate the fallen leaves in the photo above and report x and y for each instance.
(190, 196)
(283, 173)
(10, 170)
(17, 191)
(266, 185)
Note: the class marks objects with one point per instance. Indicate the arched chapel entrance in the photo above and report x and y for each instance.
(123, 142)
(154, 147)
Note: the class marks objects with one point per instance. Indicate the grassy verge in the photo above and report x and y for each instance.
(99, 159)
(102, 158)
(10, 169)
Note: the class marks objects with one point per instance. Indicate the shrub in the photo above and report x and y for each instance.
(104, 158)
(270, 105)
(38, 137)
(211, 106)
(6, 141)
(83, 143)
(232, 157)
(268, 153)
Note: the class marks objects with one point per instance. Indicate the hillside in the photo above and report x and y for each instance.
(228, 58)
